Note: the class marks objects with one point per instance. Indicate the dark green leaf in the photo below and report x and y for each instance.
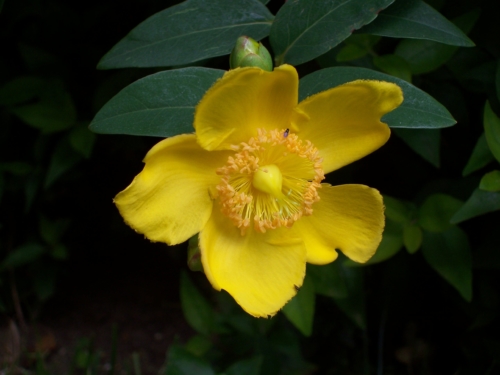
(20, 90)
(82, 140)
(497, 79)
(492, 130)
(17, 168)
(264, 1)
(45, 282)
(199, 345)
(425, 55)
(305, 29)
(449, 254)
(490, 181)
(398, 210)
(419, 110)
(62, 160)
(479, 203)
(424, 142)
(300, 309)
(417, 20)
(481, 156)
(52, 231)
(22, 255)
(435, 213)
(182, 362)
(351, 52)
(249, 366)
(1, 4)
(160, 105)
(412, 238)
(2, 184)
(197, 310)
(328, 279)
(394, 65)
(190, 31)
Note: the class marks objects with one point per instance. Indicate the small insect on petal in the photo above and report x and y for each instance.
(285, 134)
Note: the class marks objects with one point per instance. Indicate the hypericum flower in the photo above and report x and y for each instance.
(249, 181)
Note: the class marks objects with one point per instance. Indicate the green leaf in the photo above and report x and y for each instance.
(249, 366)
(197, 311)
(22, 255)
(394, 65)
(328, 279)
(425, 142)
(160, 105)
(449, 254)
(52, 231)
(417, 20)
(497, 79)
(17, 168)
(435, 213)
(21, 90)
(199, 345)
(424, 56)
(419, 109)
(492, 130)
(480, 157)
(351, 52)
(187, 32)
(479, 203)
(398, 210)
(412, 238)
(490, 181)
(62, 160)
(300, 309)
(2, 184)
(182, 362)
(82, 140)
(392, 242)
(306, 29)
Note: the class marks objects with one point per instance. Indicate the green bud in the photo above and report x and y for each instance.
(248, 52)
(194, 255)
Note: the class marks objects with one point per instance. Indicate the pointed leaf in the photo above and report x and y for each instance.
(82, 140)
(449, 254)
(435, 213)
(305, 29)
(197, 310)
(249, 366)
(479, 203)
(490, 181)
(424, 142)
(190, 31)
(398, 210)
(160, 105)
(412, 238)
(300, 309)
(182, 362)
(492, 130)
(61, 161)
(481, 156)
(394, 65)
(419, 109)
(417, 20)
(22, 255)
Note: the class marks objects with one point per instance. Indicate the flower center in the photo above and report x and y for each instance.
(270, 181)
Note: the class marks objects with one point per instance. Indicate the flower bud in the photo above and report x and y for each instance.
(194, 255)
(248, 52)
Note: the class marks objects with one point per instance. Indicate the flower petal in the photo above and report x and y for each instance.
(349, 218)
(344, 122)
(262, 271)
(242, 101)
(169, 200)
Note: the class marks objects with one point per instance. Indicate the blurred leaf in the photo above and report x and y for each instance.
(479, 203)
(20, 90)
(497, 79)
(197, 311)
(59, 252)
(53, 112)
(435, 213)
(351, 52)
(17, 168)
(394, 65)
(52, 231)
(417, 20)
(62, 160)
(449, 254)
(480, 157)
(490, 181)
(424, 56)
(45, 282)
(419, 110)
(304, 30)
(412, 238)
(24, 254)
(328, 280)
(392, 242)
(264, 1)
(189, 32)
(182, 362)
(300, 309)
(161, 104)
(1, 4)
(198, 345)
(424, 142)
(354, 304)
(398, 210)
(82, 140)
(249, 366)
(492, 130)
(2, 184)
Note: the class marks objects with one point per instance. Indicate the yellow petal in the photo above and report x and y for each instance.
(344, 122)
(349, 218)
(242, 101)
(262, 271)
(169, 200)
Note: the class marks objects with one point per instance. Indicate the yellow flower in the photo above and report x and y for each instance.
(249, 181)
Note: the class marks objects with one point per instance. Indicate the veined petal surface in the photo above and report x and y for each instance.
(169, 200)
(344, 122)
(242, 101)
(349, 218)
(262, 271)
